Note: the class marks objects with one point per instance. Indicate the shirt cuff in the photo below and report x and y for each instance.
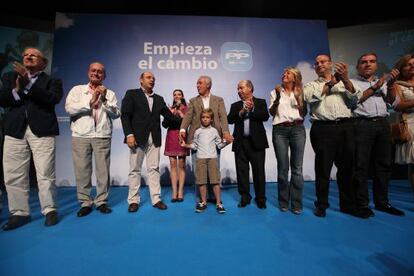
(15, 95)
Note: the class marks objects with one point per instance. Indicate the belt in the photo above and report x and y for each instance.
(372, 119)
(291, 124)
(333, 122)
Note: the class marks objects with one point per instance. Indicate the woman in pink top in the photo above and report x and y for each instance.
(174, 150)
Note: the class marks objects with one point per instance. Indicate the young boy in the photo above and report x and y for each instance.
(206, 140)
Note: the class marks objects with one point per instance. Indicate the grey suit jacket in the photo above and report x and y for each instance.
(191, 120)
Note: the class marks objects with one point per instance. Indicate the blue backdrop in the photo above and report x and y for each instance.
(178, 49)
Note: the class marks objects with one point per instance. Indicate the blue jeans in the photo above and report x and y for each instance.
(283, 138)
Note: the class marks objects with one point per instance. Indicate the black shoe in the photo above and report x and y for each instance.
(319, 212)
(180, 199)
(364, 213)
(84, 211)
(133, 207)
(243, 203)
(349, 211)
(261, 205)
(220, 209)
(51, 218)
(104, 209)
(200, 207)
(174, 200)
(15, 222)
(390, 210)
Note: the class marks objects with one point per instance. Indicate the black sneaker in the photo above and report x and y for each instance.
(220, 209)
(200, 207)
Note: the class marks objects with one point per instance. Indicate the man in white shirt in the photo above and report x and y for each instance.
(331, 133)
(92, 107)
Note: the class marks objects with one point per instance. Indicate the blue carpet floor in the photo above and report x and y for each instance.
(178, 241)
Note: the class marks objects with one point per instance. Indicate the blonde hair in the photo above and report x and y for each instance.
(296, 73)
(208, 111)
(401, 62)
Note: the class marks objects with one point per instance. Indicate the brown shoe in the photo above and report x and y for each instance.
(15, 221)
(51, 218)
(160, 205)
(133, 207)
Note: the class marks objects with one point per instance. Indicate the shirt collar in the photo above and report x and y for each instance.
(145, 92)
(361, 78)
(90, 89)
(34, 75)
(321, 79)
(206, 97)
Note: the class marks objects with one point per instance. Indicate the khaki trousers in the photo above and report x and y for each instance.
(136, 158)
(16, 162)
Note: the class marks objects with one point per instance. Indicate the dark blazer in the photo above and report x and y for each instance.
(137, 119)
(257, 130)
(36, 108)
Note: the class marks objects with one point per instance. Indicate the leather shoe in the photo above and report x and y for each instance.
(160, 205)
(15, 222)
(174, 200)
(244, 201)
(84, 211)
(180, 199)
(133, 207)
(319, 212)
(51, 218)
(243, 204)
(261, 205)
(390, 210)
(349, 211)
(104, 209)
(364, 213)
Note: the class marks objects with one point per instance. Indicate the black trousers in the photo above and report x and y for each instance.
(333, 143)
(372, 146)
(246, 154)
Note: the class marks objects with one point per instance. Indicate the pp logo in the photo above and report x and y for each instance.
(236, 56)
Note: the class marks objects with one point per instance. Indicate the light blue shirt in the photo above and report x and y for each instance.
(375, 105)
(206, 141)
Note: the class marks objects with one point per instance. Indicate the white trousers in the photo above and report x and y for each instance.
(136, 158)
(16, 164)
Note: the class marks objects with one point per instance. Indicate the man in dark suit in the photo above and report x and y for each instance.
(30, 127)
(141, 109)
(248, 116)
